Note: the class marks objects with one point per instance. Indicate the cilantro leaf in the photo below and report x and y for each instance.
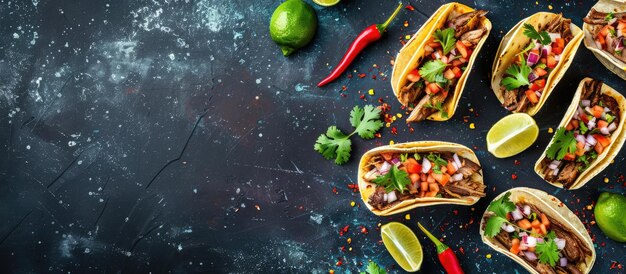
(417, 156)
(530, 46)
(373, 268)
(403, 157)
(518, 76)
(493, 225)
(334, 145)
(439, 107)
(395, 179)
(431, 69)
(446, 39)
(366, 121)
(548, 252)
(543, 37)
(582, 127)
(609, 118)
(563, 142)
(502, 206)
(436, 159)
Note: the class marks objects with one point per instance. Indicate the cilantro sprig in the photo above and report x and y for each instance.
(446, 39)
(543, 37)
(548, 252)
(439, 107)
(609, 16)
(373, 268)
(518, 76)
(432, 71)
(334, 144)
(564, 143)
(394, 179)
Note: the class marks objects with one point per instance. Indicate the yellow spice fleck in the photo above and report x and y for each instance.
(589, 207)
(536, 2)
(407, 37)
(472, 126)
(489, 256)
(352, 204)
(387, 124)
(349, 240)
(379, 224)
(606, 180)
(407, 217)
(550, 7)
(550, 130)
(391, 142)
(371, 91)
(399, 115)
(350, 249)
(394, 118)
(331, 271)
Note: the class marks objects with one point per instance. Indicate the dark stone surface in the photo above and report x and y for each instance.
(173, 136)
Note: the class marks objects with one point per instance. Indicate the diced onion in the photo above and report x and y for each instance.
(437, 55)
(455, 165)
(391, 197)
(612, 126)
(532, 58)
(453, 51)
(587, 147)
(508, 228)
(457, 177)
(372, 174)
(532, 76)
(560, 243)
(526, 210)
(605, 131)
(395, 161)
(538, 93)
(537, 45)
(580, 138)
(612, 21)
(531, 241)
(554, 35)
(385, 197)
(555, 172)
(457, 160)
(531, 256)
(385, 168)
(517, 214)
(557, 57)
(592, 123)
(428, 49)
(546, 50)
(591, 141)
(563, 262)
(426, 165)
(598, 44)
(585, 103)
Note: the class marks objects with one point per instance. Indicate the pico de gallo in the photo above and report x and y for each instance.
(525, 80)
(576, 146)
(446, 56)
(609, 32)
(542, 241)
(402, 176)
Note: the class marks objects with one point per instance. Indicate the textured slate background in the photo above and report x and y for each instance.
(173, 136)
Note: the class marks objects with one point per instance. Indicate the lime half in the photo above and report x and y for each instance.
(511, 135)
(326, 3)
(403, 245)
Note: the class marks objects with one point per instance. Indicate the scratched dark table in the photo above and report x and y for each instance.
(173, 136)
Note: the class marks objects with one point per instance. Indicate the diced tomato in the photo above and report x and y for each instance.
(444, 169)
(569, 157)
(387, 156)
(558, 45)
(584, 118)
(434, 45)
(433, 88)
(605, 30)
(621, 25)
(433, 187)
(444, 59)
(544, 220)
(414, 75)
(412, 166)
(535, 223)
(423, 186)
(597, 111)
(431, 193)
(457, 62)
(423, 177)
(540, 82)
(551, 62)
(535, 51)
(602, 123)
(580, 151)
(451, 168)
(414, 178)
(457, 72)
(603, 140)
(449, 74)
(574, 123)
(600, 39)
(442, 178)
(532, 97)
(544, 229)
(540, 72)
(524, 224)
(430, 178)
(598, 148)
(462, 49)
(569, 127)
(515, 246)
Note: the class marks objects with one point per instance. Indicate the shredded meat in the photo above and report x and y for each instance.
(560, 25)
(465, 22)
(568, 174)
(510, 99)
(377, 199)
(597, 18)
(422, 111)
(410, 93)
(549, 173)
(473, 36)
(544, 269)
(612, 104)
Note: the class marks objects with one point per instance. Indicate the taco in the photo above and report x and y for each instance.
(537, 231)
(588, 138)
(605, 34)
(430, 71)
(531, 59)
(397, 178)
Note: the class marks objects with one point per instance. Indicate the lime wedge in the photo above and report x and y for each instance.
(326, 3)
(511, 135)
(403, 246)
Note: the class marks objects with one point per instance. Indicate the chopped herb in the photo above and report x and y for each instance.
(586, 159)
(609, 118)
(533, 216)
(417, 156)
(618, 52)
(439, 107)
(518, 76)
(373, 268)
(541, 65)
(437, 169)
(431, 69)
(609, 16)
(403, 157)
(613, 32)
(529, 47)
(395, 179)
(564, 142)
(543, 37)
(446, 39)
(436, 158)
(582, 127)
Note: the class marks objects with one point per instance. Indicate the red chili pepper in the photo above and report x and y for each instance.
(447, 258)
(366, 37)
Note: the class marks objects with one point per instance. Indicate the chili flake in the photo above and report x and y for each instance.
(362, 75)
(363, 230)
(514, 176)
(409, 7)
(394, 130)
(406, 24)
(344, 230)
(335, 190)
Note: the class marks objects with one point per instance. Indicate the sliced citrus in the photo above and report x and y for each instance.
(511, 135)
(403, 246)
(326, 3)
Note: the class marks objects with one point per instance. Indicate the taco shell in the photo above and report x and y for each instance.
(610, 62)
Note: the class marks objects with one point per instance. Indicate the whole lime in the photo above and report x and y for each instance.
(293, 25)
(609, 211)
